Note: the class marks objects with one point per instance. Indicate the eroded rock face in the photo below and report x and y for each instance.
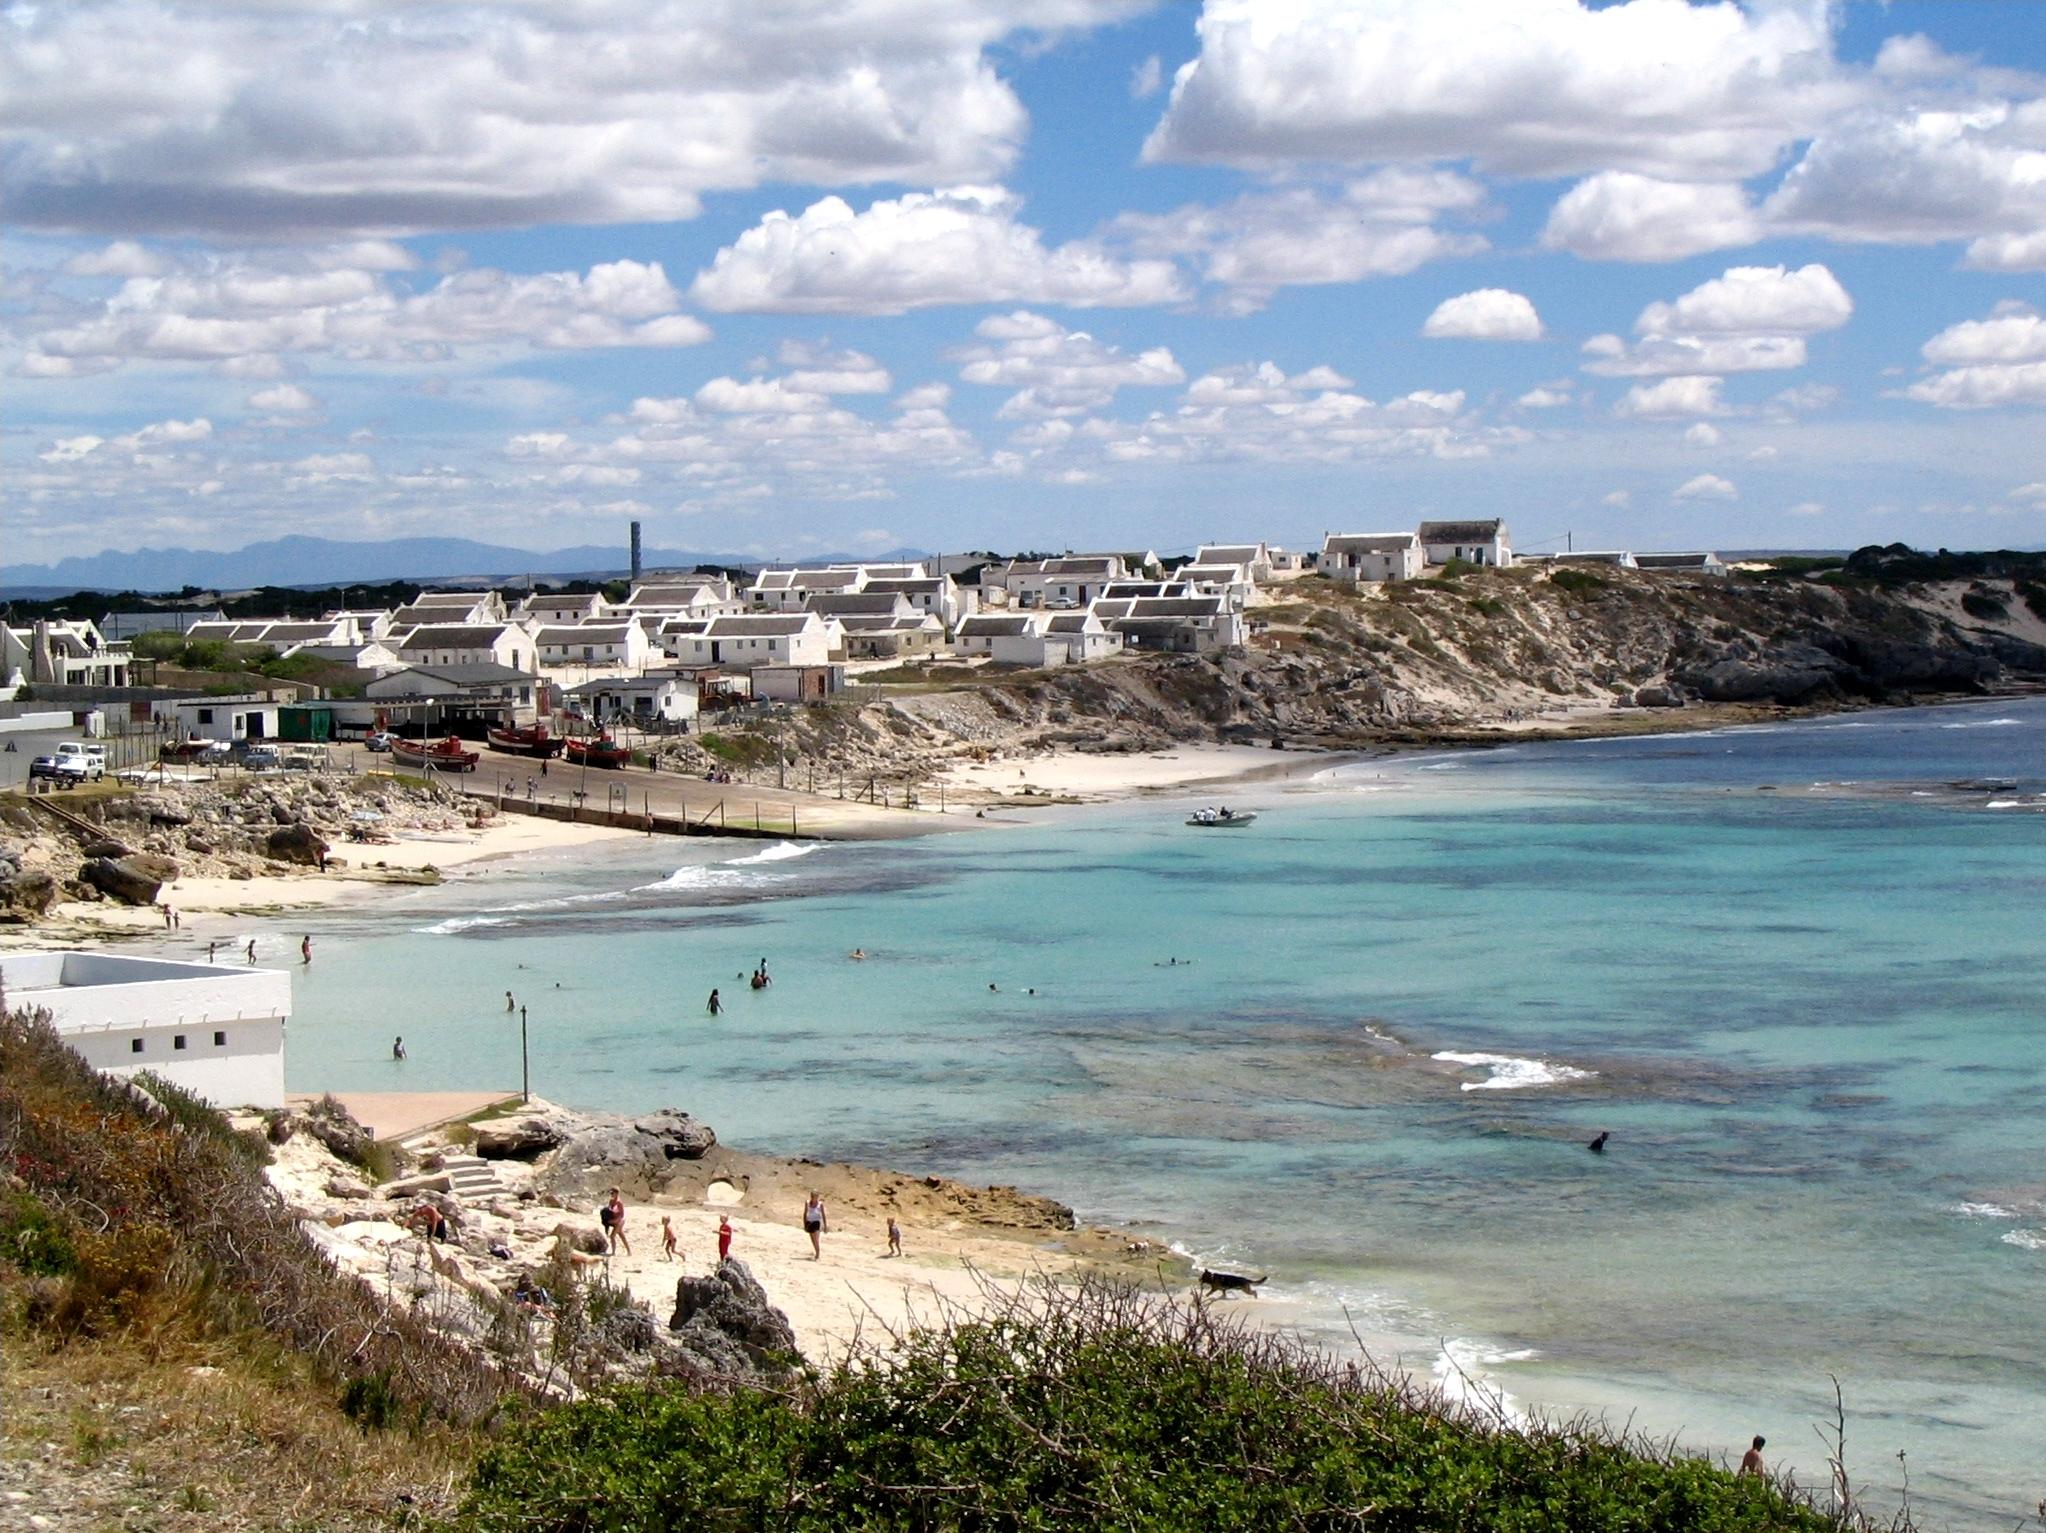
(298, 843)
(25, 893)
(517, 1138)
(724, 1326)
(121, 878)
(635, 1150)
(680, 1136)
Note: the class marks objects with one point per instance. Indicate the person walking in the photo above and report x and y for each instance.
(252, 952)
(894, 1237)
(724, 1236)
(612, 1217)
(814, 1225)
(669, 1252)
(305, 949)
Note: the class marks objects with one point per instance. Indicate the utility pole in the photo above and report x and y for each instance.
(525, 1069)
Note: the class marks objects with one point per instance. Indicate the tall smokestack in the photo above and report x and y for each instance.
(635, 553)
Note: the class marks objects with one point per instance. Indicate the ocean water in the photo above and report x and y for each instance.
(1798, 972)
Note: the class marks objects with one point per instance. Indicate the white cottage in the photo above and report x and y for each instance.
(1483, 542)
(1356, 558)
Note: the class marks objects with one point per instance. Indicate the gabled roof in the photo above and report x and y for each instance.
(449, 598)
(1073, 622)
(927, 585)
(474, 674)
(1229, 553)
(856, 603)
(1213, 574)
(583, 633)
(888, 622)
(993, 625)
(1370, 542)
(760, 626)
(450, 636)
(1463, 532)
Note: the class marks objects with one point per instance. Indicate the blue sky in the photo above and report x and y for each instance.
(858, 274)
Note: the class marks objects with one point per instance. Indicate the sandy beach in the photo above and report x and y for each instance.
(1071, 776)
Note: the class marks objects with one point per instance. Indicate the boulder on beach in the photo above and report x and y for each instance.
(725, 1327)
(517, 1138)
(298, 843)
(131, 880)
(637, 1151)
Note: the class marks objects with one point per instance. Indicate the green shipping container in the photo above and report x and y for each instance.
(313, 725)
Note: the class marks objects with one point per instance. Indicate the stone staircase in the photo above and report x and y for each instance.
(470, 1178)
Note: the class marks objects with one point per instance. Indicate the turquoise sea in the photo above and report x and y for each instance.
(1798, 972)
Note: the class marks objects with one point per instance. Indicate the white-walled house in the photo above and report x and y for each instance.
(505, 644)
(1483, 542)
(939, 595)
(64, 652)
(249, 717)
(1076, 638)
(978, 635)
(556, 609)
(370, 622)
(666, 697)
(1682, 563)
(1356, 558)
(791, 590)
(605, 642)
(1184, 624)
(1073, 581)
(1255, 558)
(215, 1030)
(741, 643)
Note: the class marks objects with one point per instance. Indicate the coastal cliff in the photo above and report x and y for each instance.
(1464, 657)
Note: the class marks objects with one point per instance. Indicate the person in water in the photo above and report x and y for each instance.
(1751, 1461)
(714, 1005)
(398, 1048)
(1598, 1145)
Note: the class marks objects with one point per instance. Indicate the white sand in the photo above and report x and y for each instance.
(1100, 777)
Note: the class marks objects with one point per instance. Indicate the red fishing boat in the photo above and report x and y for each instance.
(449, 755)
(529, 740)
(598, 751)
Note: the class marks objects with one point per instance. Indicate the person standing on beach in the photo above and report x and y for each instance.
(1751, 1461)
(724, 1236)
(894, 1237)
(669, 1251)
(814, 1225)
(714, 1005)
(612, 1217)
(252, 952)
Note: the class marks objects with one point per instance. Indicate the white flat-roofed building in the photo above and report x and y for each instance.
(248, 717)
(669, 697)
(1682, 564)
(216, 1030)
(1357, 558)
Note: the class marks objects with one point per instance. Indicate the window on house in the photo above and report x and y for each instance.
(220, 1040)
(178, 1041)
(204, 716)
(134, 1045)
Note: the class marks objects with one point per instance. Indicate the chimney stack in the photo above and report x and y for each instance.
(635, 553)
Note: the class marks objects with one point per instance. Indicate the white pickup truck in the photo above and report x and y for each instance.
(73, 761)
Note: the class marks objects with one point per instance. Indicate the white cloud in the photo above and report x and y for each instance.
(759, 396)
(1673, 398)
(1751, 319)
(1754, 300)
(71, 448)
(1919, 174)
(1806, 508)
(123, 258)
(1056, 371)
(922, 249)
(284, 399)
(1146, 78)
(1487, 314)
(291, 120)
(1987, 362)
(1547, 396)
(2033, 493)
(1619, 500)
(2008, 252)
(925, 396)
(1381, 225)
(820, 370)
(243, 312)
(1705, 487)
(1526, 87)
(1704, 434)
(1619, 216)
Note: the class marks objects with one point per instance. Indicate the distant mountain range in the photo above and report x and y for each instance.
(303, 561)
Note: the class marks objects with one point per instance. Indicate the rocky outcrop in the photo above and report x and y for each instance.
(25, 893)
(638, 1151)
(724, 1328)
(298, 843)
(132, 880)
(517, 1138)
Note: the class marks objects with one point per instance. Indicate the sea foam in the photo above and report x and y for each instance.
(1512, 1073)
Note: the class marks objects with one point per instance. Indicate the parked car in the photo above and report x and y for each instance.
(261, 758)
(377, 740)
(88, 762)
(57, 771)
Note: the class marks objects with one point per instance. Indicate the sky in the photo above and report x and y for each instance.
(787, 276)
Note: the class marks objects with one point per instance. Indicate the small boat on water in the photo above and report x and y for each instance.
(1224, 818)
(529, 740)
(449, 755)
(597, 751)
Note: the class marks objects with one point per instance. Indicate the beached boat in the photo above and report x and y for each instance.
(598, 751)
(531, 740)
(189, 750)
(1221, 819)
(449, 755)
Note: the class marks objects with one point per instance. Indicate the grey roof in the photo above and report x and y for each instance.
(889, 622)
(989, 625)
(1070, 622)
(1463, 532)
(856, 604)
(449, 598)
(1229, 553)
(298, 633)
(762, 625)
(1177, 606)
(910, 586)
(1373, 542)
(476, 674)
(649, 683)
(583, 633)
(1676, 561)
(452, 636)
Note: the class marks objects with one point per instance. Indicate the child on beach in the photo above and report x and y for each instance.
(668, 1251)
(894, 1237)
(724, 1236)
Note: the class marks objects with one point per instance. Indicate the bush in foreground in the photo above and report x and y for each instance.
(1096, 1409)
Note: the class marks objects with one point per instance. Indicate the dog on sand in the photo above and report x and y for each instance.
(1226, 1283)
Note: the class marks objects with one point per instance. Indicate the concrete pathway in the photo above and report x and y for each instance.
(401, 1114)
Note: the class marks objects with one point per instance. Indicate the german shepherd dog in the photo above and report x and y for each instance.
(1229, 1282)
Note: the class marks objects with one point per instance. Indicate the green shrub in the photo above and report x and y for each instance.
(1576, 582)
(33, 1239)
(1984, 604)
(196, 1116)
(1091, 1410)
(369, 1401)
